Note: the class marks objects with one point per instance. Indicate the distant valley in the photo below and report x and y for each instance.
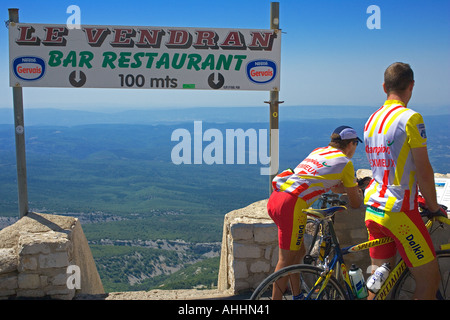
(151, 223)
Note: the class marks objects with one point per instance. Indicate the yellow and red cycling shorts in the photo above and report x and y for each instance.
(286, 210)
(407, 229)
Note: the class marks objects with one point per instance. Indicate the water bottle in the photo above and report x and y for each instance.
(357, 280)
(377, 279)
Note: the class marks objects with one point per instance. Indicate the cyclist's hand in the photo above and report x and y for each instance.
(442, 211)
(355, 198)
(363, 182)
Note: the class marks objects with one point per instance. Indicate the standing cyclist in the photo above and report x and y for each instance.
(324, 168)
(396, 147)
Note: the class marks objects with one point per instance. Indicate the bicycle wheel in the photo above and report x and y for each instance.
(404, 290)
(307, 277)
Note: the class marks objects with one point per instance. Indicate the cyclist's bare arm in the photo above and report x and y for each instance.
(355, 196)
(425, 177)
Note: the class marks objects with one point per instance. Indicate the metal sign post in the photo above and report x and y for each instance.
(274, 103)
(20, 137)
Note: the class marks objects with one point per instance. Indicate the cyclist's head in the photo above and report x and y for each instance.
(397, 77)
(342, 136)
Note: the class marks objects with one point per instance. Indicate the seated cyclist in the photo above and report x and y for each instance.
(324, 169)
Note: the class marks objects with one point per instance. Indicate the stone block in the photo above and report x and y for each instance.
(28, 281)
(275, 257)
(28, 263)
(259, 266)
(240, 286)
(62, 293)
(6, 294)
(8, 282)
(30, 243)
(246, 251)
(31, 293)
(240, 270)
(44, 281)
(256, 279)
(265, 233)
(8, 260)
(54, 260)
(59, 280)
(268, 252)
(240, 231)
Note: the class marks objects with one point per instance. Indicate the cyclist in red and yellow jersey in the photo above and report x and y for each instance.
(294, 190)
(396, 147)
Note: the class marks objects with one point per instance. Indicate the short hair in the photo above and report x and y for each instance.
(397, 77)
(337, 143)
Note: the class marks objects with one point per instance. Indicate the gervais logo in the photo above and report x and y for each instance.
(261, 71)
(29, 68)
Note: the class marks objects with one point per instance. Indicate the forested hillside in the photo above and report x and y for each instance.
(152, 223)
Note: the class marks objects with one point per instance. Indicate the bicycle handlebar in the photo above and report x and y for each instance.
(442, 212)
(332, 199)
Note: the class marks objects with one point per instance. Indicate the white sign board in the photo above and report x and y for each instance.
(48, 55)
(443, 191)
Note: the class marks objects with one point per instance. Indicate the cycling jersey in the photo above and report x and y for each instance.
(389, 135)
(322, 169)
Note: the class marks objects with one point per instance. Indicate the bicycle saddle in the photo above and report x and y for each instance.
(324, 213)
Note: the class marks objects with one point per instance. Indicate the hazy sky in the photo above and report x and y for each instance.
(328, 57)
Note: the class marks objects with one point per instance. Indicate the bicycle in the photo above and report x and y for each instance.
(325, 276)
(315, 237)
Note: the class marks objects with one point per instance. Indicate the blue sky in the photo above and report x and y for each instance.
(329, 56)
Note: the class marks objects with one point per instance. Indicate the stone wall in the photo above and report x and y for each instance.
(249, 248)
(44, 255)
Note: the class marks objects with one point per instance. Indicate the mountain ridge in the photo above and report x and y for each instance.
(65, 117)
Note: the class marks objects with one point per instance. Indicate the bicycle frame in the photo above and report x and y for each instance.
(337, 263)
(394, 275)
